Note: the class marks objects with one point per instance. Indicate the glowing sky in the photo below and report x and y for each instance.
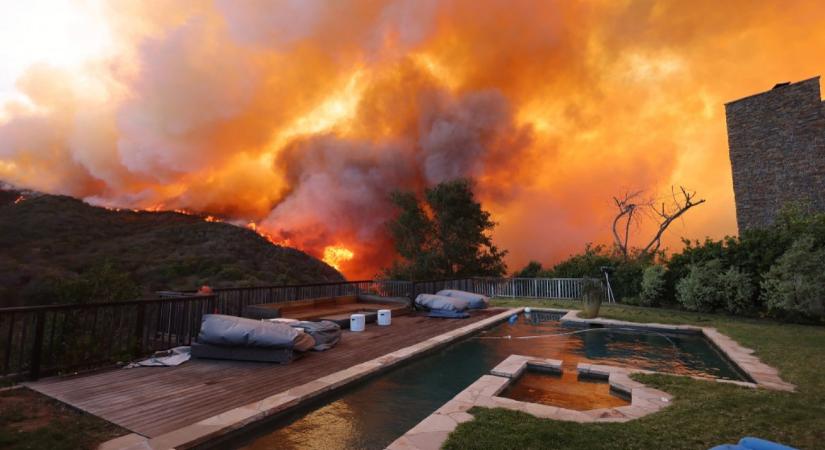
(301, 116)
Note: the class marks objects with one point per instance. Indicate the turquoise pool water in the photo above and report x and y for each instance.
(372, 414)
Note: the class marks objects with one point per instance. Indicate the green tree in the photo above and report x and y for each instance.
(533, 269)
(444, 236)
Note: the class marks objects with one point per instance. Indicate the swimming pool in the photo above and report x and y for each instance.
(374, 413)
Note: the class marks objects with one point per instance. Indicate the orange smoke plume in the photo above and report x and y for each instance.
(301, 117)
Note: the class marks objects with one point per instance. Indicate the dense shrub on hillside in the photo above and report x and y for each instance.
(653, 285)
(53, 248)
(101, 283)
(793, 287)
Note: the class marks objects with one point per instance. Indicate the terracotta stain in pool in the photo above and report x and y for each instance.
(565, 390)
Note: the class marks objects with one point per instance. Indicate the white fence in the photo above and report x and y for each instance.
(562, 288)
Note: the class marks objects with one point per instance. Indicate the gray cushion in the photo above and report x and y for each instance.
(476, 301)
(217, 329)
(441, 302)
(261, 354)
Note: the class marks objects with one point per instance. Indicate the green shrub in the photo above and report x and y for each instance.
(699, 291)
(738, 291)
(793, 287)
(626, 278)
(653, 285)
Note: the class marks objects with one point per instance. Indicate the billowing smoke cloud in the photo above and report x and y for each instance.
(340, 187)
(302, 116)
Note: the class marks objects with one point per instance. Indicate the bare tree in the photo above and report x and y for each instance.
(627, 205)
(630, 204)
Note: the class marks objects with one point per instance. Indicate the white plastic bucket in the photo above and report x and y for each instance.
(384, 317)
(357, 322)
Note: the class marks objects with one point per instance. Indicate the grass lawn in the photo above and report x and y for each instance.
(29, 420)
(703, 413)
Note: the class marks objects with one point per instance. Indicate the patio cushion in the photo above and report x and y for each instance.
(445, 314)
(230, 331)
(441, 302)
(260, 354)
(476, 301)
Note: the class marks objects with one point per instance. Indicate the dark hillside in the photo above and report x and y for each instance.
(50, 243)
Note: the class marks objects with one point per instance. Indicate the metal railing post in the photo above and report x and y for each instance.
(140, 323)
(37, 348)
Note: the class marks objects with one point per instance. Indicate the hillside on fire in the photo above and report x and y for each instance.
(57, 249)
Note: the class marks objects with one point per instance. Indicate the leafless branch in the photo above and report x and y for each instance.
(630, 204)
(668, 215)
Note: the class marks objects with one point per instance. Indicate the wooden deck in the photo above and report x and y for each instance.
(155, 400)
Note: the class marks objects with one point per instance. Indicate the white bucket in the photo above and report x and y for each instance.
(384, 317)
(357, 322)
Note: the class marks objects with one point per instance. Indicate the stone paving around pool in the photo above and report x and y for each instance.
(432, 432)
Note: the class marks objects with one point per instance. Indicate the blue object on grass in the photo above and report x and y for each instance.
(752, 443)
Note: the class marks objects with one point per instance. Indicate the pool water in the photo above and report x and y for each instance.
(565, 390)
(372, 414)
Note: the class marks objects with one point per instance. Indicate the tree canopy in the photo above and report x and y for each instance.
(445, 234)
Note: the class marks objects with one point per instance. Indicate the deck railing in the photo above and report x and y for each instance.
(560, 288)
(41, 340)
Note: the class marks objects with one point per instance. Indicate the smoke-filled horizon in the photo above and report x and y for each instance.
(302, 116)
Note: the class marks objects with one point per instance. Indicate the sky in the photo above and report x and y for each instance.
(298, 118)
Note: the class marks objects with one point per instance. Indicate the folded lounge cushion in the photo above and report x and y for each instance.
(440, 302)
(260, 354)
(325, 334)
(476, 301)
(304, 342)
(231, 331)
(445, 314)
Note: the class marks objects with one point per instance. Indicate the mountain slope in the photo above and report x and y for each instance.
(46, 240)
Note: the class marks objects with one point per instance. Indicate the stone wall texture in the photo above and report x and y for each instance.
(777, 151)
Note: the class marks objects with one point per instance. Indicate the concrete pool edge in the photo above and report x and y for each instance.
(432, 432)
(763, 375)
(219, 425)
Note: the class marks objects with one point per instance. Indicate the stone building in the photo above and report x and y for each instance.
(777, 151)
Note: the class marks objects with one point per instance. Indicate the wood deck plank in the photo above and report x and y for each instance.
(152, 400)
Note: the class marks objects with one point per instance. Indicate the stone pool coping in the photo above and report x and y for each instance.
(763, 375)
(431, 432)
(231, 420)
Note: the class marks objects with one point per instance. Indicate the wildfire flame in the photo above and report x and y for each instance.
(19, 199)
(335, 255)
(254, 227)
